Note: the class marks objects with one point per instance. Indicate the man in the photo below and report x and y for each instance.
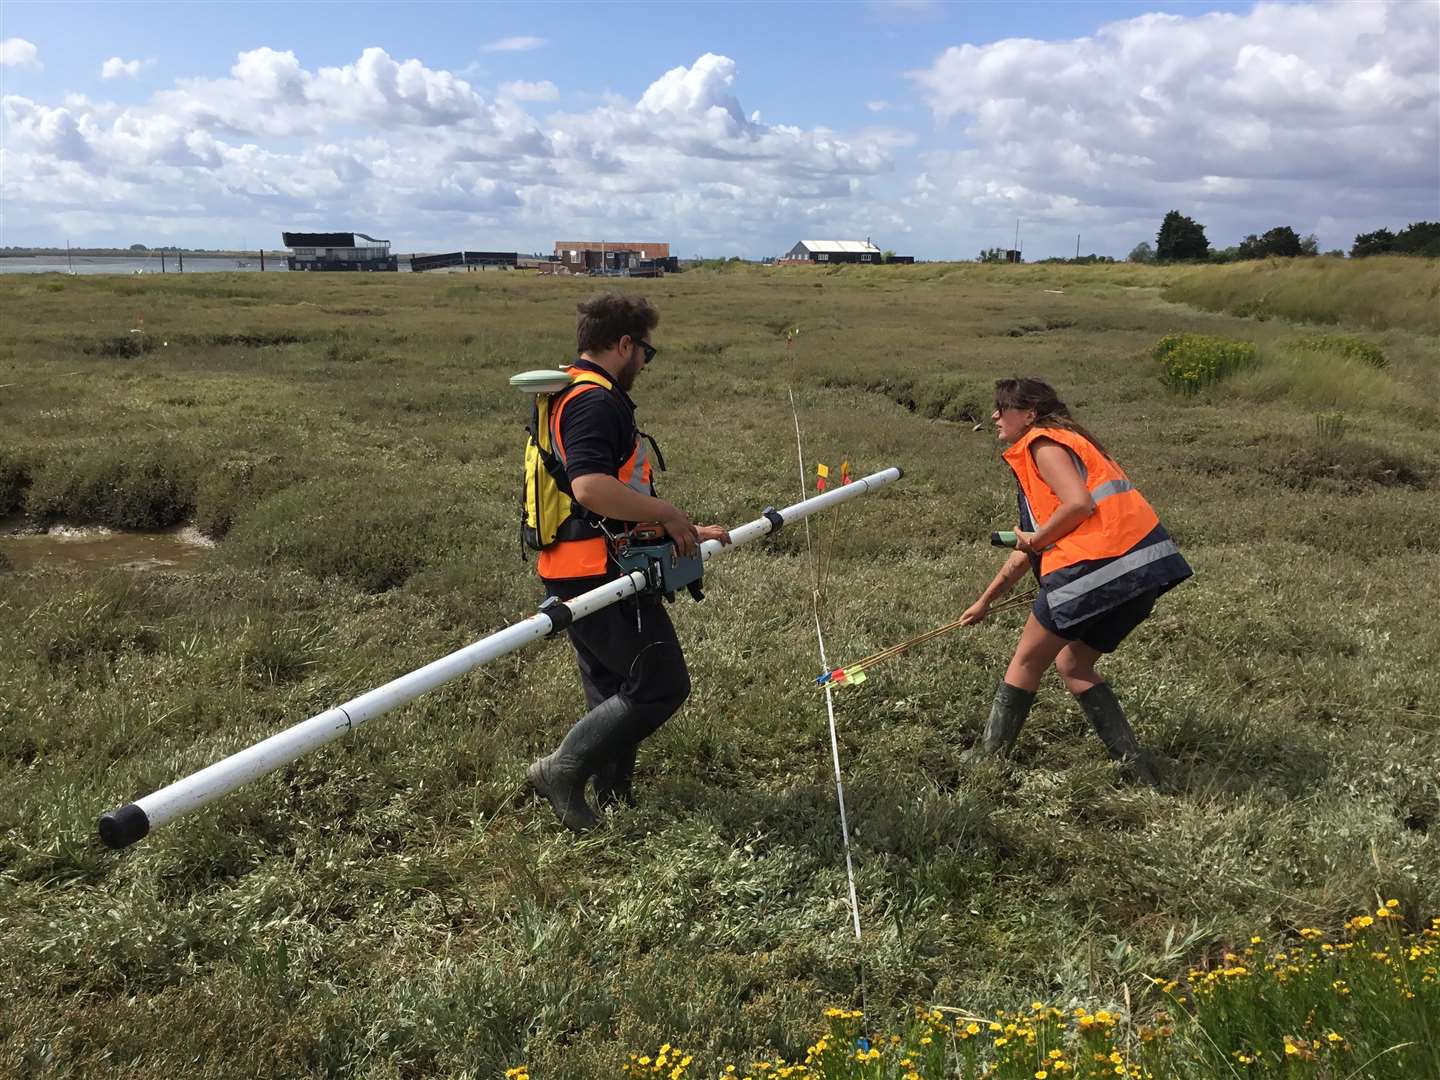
(630, 661)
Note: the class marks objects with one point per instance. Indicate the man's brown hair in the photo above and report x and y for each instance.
(604, 320)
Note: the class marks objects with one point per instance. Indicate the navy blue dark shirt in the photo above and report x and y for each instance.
(597, 428)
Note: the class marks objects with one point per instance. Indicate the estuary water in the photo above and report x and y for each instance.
(95, 548)
(119, 264)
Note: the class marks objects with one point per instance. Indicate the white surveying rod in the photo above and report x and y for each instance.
(122, 827)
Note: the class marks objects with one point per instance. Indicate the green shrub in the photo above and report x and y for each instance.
(116, 346)
(1331, 425)
(1319, 383)
(13, 481)
(123, 487)
(1190, 361)
(1341, 468)
(1349, 347)
(345, 351)
(373, 532)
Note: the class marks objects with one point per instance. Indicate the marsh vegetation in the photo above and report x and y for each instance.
(392, 906)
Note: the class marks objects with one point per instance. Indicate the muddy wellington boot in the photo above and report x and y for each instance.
(1108, 718)
(1007, 717)
(614, 779)
(561, 777)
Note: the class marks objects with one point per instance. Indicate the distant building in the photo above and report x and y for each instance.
(338, 251)
(642, 259)
(825, 252)
(465, 260)
(832, 251)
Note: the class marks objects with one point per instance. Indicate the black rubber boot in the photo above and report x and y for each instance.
(560, 777)
(1007, 717)
(614, 780)
(1108, 718)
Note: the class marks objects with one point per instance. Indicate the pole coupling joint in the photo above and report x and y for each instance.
(777, 522)
(558, 613)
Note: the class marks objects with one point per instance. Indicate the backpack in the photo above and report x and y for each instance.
(548, 510)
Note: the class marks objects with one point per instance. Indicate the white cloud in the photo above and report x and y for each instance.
(400, 149)
(702, 88)
(1323, 117)
(57, 132)
(544, 90)
(116, 68)
(1286, 113)
(269, 93)
(514, 44)
(17, 52)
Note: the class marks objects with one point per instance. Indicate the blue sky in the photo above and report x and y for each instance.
(776, 44)
(929, 126)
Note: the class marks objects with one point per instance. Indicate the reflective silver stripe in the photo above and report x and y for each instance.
(1110, 487)
(1035, 522)
(1110, 571)
(637, 474)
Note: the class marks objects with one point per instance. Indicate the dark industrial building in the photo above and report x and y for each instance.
(338, 251)
(469, 260)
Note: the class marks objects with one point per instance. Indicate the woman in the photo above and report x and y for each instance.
(1100, 554)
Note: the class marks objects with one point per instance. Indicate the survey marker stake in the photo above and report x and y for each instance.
(125, 825)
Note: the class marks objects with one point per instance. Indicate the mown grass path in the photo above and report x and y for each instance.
(392, 906)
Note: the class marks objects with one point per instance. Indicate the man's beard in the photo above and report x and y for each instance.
(626, 378)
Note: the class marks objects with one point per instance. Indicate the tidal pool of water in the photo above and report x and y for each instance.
(99, 549)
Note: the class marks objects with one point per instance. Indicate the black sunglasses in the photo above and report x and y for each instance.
(648, 349)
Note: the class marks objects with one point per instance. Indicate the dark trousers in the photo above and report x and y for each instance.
(629, 649)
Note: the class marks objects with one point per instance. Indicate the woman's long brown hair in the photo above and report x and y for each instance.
(1050, 411)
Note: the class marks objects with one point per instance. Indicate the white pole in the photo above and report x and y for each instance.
(122, 827)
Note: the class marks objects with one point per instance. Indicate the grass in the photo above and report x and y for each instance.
(392, 906)
(1310, 1008)
(1393, 291)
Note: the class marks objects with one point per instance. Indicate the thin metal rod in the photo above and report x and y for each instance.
(830, 702)
(127, 824)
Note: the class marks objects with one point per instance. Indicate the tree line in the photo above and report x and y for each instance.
(1182, 239)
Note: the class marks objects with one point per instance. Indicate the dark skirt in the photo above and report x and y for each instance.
(1103, 632)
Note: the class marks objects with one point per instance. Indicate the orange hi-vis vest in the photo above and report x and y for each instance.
(581, 548)
(1122, 517)
(1119, 551)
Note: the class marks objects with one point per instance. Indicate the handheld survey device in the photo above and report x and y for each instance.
(650, 550)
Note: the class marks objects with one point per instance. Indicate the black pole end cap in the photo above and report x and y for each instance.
(121, 828)
(899, 473)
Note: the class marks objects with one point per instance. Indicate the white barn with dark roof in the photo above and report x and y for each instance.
(833, 251)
